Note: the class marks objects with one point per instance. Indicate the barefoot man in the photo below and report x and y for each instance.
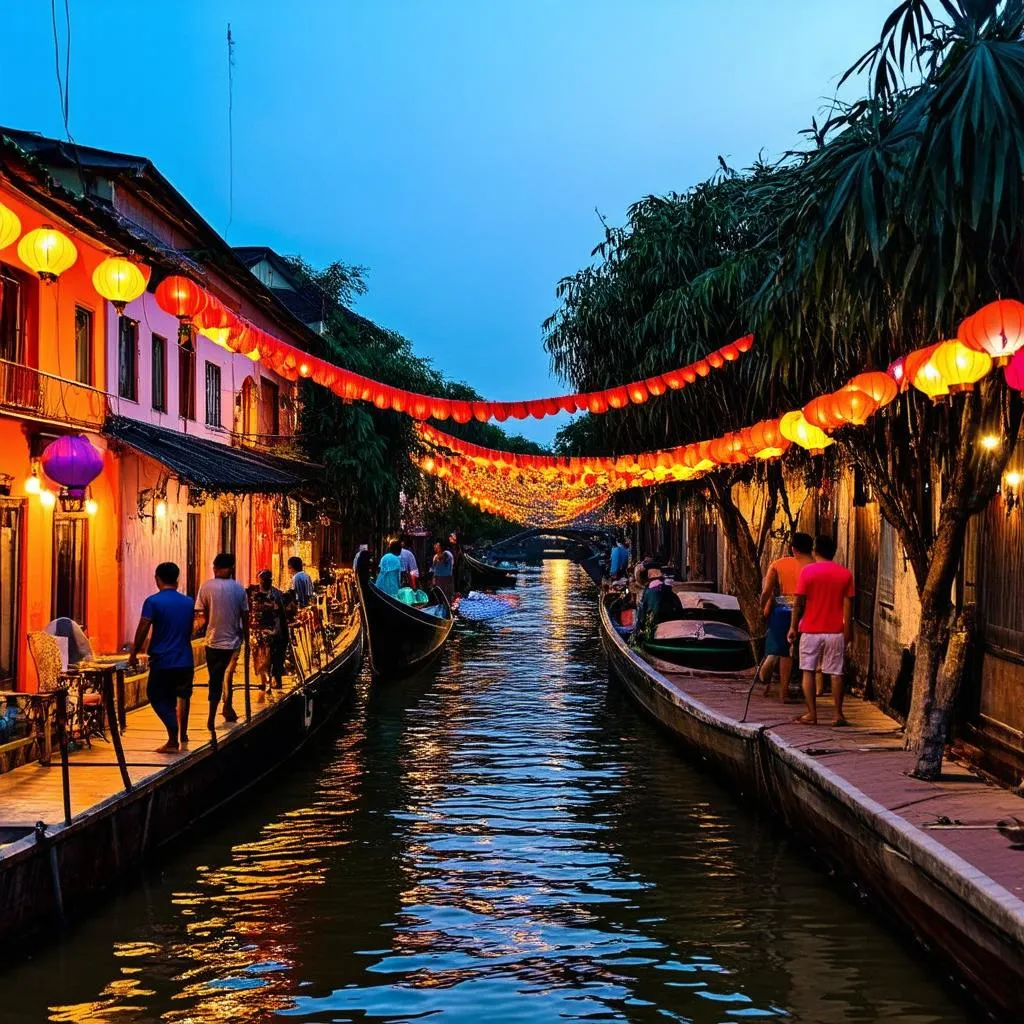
(823, 618)
(777, 600)
(169, 688)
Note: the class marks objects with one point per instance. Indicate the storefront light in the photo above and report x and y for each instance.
(160, 510)
(91, 506)
(47, 499)
(32, 484)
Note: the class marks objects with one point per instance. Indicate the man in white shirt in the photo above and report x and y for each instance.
(222, 606)
(410, 569)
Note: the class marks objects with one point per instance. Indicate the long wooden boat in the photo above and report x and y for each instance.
(483, 575)
(56, 871)
(403, 638)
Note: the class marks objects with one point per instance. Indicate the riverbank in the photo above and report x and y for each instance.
(928, 852)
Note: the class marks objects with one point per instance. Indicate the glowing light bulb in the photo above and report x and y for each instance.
(32, 485)
(304, 369)
(47, 499)
(990, 442)
(1013, 479)
(160, 511)
(91, 506)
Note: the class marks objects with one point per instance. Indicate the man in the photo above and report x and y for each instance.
(221, 606)
(362, 564)
(619, 560)
(823, 619)
(389, 572)
(443, 565)
(171, 667)
(458, 563)
(777, 597)
(659, 603)
(302, 582)
(271, 627)
(410, 569)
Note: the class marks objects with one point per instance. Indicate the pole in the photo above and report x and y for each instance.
(62, 740)
(245, 674)
(115, 731)
(122, 713)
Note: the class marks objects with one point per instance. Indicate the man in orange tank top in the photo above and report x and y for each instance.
(777, 599)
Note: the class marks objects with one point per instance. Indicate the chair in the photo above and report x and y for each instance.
(86, 716)
(46, 654)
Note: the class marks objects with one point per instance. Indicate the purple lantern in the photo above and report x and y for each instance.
(74, 463)
(1014, 371)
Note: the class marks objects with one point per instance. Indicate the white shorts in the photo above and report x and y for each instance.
(825, 651)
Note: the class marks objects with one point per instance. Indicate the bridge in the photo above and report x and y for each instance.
(586, 545)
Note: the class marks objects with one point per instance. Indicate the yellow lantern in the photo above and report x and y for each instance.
(10, 226)
(48, 252)
(794, 427)
(958, 367)
(929, 379)
(120, 281)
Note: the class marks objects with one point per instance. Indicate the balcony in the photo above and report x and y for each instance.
(30, 394)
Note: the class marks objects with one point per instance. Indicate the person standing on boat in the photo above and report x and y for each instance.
(389, 572)
(619, 560)
(823, 619)
(222, 607)
(169, 615)
(777, 597)
(302, 582)
(443, 566)
(458, 564)
(410, 569)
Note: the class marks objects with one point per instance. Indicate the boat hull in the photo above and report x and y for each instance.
(401, 638)
(482, 575)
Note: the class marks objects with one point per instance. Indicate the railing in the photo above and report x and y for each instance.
(281, 445)
(32, 393)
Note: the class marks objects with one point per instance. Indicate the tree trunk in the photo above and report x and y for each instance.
(744, 563)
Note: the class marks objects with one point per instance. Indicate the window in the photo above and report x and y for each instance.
(69, 568)
(10, 589)
(127, 358)
(999, 590)
(267, 420)
(193, 527)
(83, 345)
(866, 522)
(212, 395)
(11, 315)
(228, 528)
(159, 373)
(187, 381)
(886, 584)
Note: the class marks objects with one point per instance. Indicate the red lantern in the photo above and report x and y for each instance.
(462, 412)
(656, 385)
(849, 405)
(537, 408)
(597, 403)
(819, 413)
(638, 393)
(518, 410)
(440, 408)
(400, 400)
(617, 398)
(880, 386)
(716, 360)
(182, 298)
(702, 368)
(481, 411)
(745, 343)
(689, 375)
(997, 329)
(675, 379)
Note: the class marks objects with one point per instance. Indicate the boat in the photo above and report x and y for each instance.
(710, 638)
(483, 575)
(403, 638)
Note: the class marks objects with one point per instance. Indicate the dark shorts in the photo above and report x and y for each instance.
(169, 683)
(776, 640)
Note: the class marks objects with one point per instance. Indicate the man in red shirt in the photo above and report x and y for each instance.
(823, 617)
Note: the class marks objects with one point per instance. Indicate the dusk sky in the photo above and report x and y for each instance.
(458, 150)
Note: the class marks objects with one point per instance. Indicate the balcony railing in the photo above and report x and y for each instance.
(29, 392)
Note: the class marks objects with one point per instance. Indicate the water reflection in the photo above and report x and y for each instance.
(501, 839)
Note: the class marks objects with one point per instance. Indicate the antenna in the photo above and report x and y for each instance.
(231, 139)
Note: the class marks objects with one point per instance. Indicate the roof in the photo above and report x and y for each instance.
(208, 465)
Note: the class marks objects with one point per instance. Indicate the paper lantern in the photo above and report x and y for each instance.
(400, 401)
(597, 403)
(656, 385)
(48, 252)
(898, 371)
(638, 393)
(996, 329)
(180, 297)
(675, 379)
(730, 353)
(120, 281)
(214, 321)
(727, 450)
(462, 412)
(617, 398)
(73, 463)
(851, 405)
(794, 427)
(819, 413)
(702, 368)
(765, 440)
(925, 376)
(10, 226)
(959, 366)
(745, 343)
(880, 386)
(481, 411)
(1014, 372)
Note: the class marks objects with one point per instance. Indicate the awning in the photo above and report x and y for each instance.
(208, 465)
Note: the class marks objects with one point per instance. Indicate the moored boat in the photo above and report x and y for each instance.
(403, 638)
(484, 575)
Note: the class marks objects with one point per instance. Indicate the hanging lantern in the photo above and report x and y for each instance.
(656, 385)
(214, 321)
(960, 367)
(746, 343)
(638, 393)
(462, 412)
(182, 298)
(120, 281)
(925, 375)
(1014, 372)
(10, 226)
(765, 440)
(898, 371)
(819, 413)
(618, 398)
(73, 463)
(794, 427)
(882, 387)
(851, 405)
(996, 329)
(48, 252)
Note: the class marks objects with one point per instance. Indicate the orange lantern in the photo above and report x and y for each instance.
(960, 367)
(996, 329)
(618, 398)
(675, 379)
(638, 393)
(745, 343)
(119, 281)
(656, 385)
(730, 353)
(850, 405)
(214, 321)
(880, 386)
(794, 427)
(766, 440)
(819, 413)
(702, 368)
(48, 252)
(716, 360)
(180, 297)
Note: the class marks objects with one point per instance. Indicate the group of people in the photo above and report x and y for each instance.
(222, 611)
(398, 568)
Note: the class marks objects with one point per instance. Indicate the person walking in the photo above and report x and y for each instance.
(302, 582)
(168, 616)
(777, 597)
(823, 621)
(222, 607)
(443, 566)
(270, 626)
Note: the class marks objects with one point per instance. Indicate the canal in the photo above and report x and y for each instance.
(504, 839)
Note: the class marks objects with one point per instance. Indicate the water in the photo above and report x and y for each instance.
(504, 839)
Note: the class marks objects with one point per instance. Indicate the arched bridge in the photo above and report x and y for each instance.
(589, 546)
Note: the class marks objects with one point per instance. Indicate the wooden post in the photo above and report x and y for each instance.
(245, 675)
(62, 740)
(115, 731)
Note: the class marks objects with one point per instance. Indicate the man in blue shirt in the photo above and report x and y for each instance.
(389, 572)
(619, 559)
(302, 582)
(171, 668)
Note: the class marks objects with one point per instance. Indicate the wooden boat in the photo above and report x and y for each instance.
(51, 872)
(483, 575)
(403, 638)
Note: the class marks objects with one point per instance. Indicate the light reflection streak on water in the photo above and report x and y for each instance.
(505, 841)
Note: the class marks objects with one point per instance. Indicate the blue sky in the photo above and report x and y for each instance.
(459, 150)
